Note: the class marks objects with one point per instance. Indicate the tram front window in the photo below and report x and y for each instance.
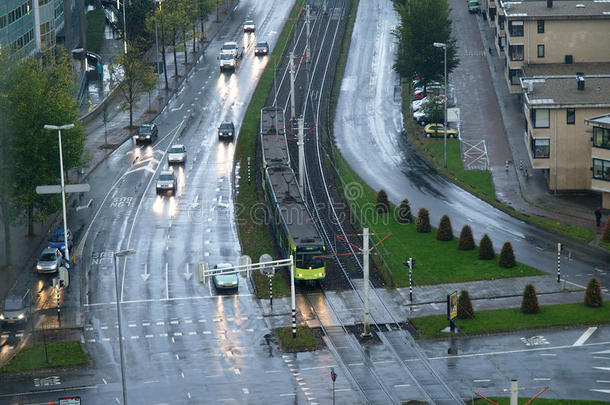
(309, 260)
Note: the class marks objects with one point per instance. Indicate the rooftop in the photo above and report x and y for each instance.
(562, 91)
(560, 10)
(600, 121)
(562, 69)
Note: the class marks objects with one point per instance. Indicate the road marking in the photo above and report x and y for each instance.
(245, 391)
(601, 357)
(356, 364)
(131, 325)
(292, 394)
(188, 321)
(542, 379)
(207, 332)
(603, 381)
(201, 320)
(155, 300)
(150, 336)
(236, 371)
(586, 335)
(396, 386)
(166, 280)
(105, 382)
(174, 322)
(105, 339)
(177, 357)
(173, 340)
(602, 391)
(160, 323)
(272, 371)
(89, 340)
(182, 374)
(317, 367)
(602, 368)
(38, 392)
(485, 380)
(145, 323)
(163, 334)
(192, 333)
(383, 361)
(603, 352)
(135, 337)
(151, 382)
(548, 354)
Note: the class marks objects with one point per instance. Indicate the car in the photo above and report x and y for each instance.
(421, 117)
(261, 48)
(419, 93)
(176, 155)
(57, 240)
(249, 26)
(226, 130)
(439, 130)
(418, 104)
(225, 281)
(230, 48)
(474, 6)
(227, 62)
(147, 133)
(49, 261)
(17, 307)
(166, 182)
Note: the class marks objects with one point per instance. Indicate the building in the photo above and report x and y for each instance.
(601, 156)
(558, 114)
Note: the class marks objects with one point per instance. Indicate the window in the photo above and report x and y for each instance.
(514, 75)
(492, 13)
(2, 21)
(515, 28)
(516, 52)
(540, 117)
(601, 169)
(540, 147)
(540, 26)
(501, 19)
(541, 51)
(571, 116)
(601, 137)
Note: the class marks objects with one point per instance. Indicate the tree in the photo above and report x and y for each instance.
(529, 304)
(606, 234)
(137, 78)
(434, 109)
(465, 310)
(466, 240)
(507, 256)
(382, 205)
(40, 95)
(422, 224)
(416, 54)
(486, 248)
(404, 215)
(444, 233)
(593, 295)
(137, 33)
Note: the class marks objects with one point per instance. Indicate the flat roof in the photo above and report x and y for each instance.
(600, 121)
(562, 69)
(562, 91)
(565, 9)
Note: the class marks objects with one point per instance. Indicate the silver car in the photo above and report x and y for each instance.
(166, 182)
(49, 261)
(17, 307)
(249, 26)
(176, 155)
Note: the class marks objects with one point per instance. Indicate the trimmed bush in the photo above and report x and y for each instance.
(507, 256)
(529, 305)
(444, 233)
(466, 241)
(382, 205)
(404, 215)
(486, 248)
(593, 295)
(465, 310)
(606, 234)
(422, 224)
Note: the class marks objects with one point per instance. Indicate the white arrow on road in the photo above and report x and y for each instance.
(188, 274)
(82, 207)
(146, 273)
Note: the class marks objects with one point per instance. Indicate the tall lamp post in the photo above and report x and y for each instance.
(444, 46)
(124, 27)
(157, 40)
(63, 185)
(120, 253)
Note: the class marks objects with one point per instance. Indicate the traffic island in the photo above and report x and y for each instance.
(308, 339)
(40, 356)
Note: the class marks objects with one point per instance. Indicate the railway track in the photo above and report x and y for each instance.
(412, 370)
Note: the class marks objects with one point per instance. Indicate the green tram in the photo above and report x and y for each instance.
(294, 229)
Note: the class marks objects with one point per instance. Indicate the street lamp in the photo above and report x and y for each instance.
(124, 27)
(120, 253)
(63, 186)
(157, 37)
(444, 46)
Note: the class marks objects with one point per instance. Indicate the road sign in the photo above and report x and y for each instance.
(333, 375)
(69, 401)
(70, 188)
(452, 305)
(268, 271)
(453, 115)
(245, 260)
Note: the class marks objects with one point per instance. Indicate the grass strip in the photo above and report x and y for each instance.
(254, 233)
(303, 342)
(96, 23)
(60, 354)
(541, 401)
(509, 319)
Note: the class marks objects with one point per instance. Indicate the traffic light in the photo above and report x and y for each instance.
(410, 263)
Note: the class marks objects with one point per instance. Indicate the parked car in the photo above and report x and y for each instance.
(225, 281)
(249, 26)
(421, 117)
(226, 130)
(17, 307)
(474, 6)
(166, 182)
(418, 104)
(147, 133)
(57, 240)
(432, 130)
(49, 261)
(176, 155)
(262, 48)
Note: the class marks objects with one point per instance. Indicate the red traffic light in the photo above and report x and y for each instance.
(333, 375)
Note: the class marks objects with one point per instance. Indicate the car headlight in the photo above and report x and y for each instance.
(53, 267)
(38, 267)
(230, 133)
(1, 317)
(147, 136)
(21, 316)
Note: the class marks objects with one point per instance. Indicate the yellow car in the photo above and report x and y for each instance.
(439, 130)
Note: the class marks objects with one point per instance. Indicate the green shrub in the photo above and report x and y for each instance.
(529, 305)
(507, 256)
(422, 225)
(404, 215)
(465, 310)
(444, 233)
(466, 241)
(486, 248)
(382, 205)
(593, 295)
(606, 235)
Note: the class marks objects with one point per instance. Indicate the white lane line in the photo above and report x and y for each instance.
(89, 340)
(145, 323)
(149, 336)
(174, 322)
(182, 374)
(245, 391)
(541, 379)
(105, 339)
(602, 391)
(90, 387)
(163, 334)
(396, 386)
(221, 297)
(548, 354)
(188, 321)
(131, 325)
(601, 358)
(602, 368)
(166, 281)
(207, 332)
(602, 352)
(586, 335)
(318, 367)
(160, 323)
(135, 337)
(356, 364)
(188, 394)
(272, 371)
(292, 394)
(192, 333)
(103, 379)
(477, 381)
(177, 357)
(603, 381)
(201, 320)
(236, 371)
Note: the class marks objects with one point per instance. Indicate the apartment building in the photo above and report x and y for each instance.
(550, 32)
(559, 112)
(601, 156)
(31, 27)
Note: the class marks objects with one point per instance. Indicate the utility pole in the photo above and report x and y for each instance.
(292, 72)
(301, 145)
(307, 48)
(365, 258)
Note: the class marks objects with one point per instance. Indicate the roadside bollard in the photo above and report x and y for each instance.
(521, 165)
(506, 166)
